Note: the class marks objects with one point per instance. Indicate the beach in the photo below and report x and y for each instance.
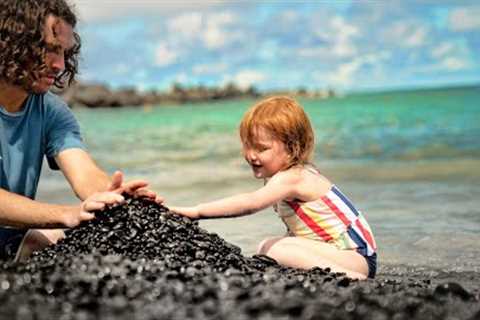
(408, 160)
(152, 94)
(140, 261)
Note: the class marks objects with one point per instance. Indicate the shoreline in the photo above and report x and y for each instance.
(100, 95)
(468, 279)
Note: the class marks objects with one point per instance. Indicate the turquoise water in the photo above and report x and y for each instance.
(409, 160)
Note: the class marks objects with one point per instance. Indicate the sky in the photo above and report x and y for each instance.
(277, 45)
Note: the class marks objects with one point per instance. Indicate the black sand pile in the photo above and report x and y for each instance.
(139, 261)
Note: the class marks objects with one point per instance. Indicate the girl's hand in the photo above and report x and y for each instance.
(191, 212)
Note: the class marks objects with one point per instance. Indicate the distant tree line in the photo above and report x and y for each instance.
(100, 95)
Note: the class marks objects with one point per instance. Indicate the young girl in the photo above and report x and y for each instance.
(324, 228)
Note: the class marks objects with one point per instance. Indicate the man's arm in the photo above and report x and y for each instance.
(84, 176)
(21, 212)
(89, 182)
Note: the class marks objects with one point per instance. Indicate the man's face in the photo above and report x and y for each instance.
(59, 39)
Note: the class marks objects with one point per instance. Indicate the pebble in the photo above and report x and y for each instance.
(139, 260)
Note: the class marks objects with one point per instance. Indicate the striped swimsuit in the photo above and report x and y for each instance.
(333, 219)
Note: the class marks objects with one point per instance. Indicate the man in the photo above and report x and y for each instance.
(39, 49)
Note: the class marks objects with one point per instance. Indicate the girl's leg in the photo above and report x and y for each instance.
(37, 239)
(304, 253)
(265, 245)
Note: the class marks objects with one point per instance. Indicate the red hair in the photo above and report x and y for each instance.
(285, 120)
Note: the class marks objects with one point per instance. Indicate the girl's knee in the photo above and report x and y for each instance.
(266, 244)
(261, 247)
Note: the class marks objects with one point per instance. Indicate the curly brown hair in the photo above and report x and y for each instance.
(22, 41)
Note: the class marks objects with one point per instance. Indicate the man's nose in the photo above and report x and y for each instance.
(58, 62)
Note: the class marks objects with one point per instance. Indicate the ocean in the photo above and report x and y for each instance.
(409, 160)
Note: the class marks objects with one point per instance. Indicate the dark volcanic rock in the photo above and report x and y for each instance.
(98, 95)
(139, 261)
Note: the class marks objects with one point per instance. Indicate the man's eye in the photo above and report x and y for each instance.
(68, 54)
(52, 49)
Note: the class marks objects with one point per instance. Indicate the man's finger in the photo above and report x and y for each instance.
(145, 193)
(86, 216)
(148, 194)
(132, 186)
(108, 197)
(117, 180)
(99, 200)
(93, 206)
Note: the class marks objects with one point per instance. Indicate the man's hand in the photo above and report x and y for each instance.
(135, 188)
(97, 201)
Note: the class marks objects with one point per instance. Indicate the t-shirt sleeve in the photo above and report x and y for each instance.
(63, 132)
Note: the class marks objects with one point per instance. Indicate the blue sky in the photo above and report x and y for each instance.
(344, 45)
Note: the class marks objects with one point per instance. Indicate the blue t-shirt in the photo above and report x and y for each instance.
(44, 127)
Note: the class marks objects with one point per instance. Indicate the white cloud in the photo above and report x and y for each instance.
(141, 86)
(202, 69)
(314, 52)
(246, 78)
(164, 56)
(186, 25)
(442, 49)
(451, 56)
(215, 35)
(339, 36)
(453, 64)
(181, 78)
(343, 46)
(214, 38)
(407, 34)
(221, 18)
(344, 29)
(448, 64)
(416, 38)
(344, 49)
(101, 10)
(345, 73)
(210, 28)
(465, 18)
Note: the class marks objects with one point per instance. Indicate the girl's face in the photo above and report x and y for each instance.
(266, 156)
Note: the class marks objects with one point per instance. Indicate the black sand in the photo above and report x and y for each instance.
(138, 261)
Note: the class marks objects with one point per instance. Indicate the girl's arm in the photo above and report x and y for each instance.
(282, 185)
